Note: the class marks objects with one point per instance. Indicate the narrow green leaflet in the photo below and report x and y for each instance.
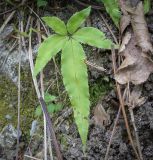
(56, 24)
(51, 108)
(49, 48)
(49, 98)
(41, 3)
(75, 78)
(38, 111)
(93, 37)
(54, 108)
(147, 6)
(112, 9)
(77, 19)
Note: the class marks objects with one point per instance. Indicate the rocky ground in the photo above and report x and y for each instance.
(102, 91)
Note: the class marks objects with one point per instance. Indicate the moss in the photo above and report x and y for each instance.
(99, 88)
(9, 98)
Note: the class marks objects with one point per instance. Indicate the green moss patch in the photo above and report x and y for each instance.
(9, 101)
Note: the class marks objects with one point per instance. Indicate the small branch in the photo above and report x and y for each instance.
(93, 65)
(32, 157)
(87, 5)
(42, 93)
(113, 132)
(107, 25)
(122, 106)
(39, 19)
(19, 92)
(6, 21)
(136, 132)
(43, 105)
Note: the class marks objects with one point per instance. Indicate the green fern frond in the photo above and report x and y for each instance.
(75, 78)
(47, 50)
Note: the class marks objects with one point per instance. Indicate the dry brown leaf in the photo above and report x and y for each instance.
(101, 118)
(125, 41)
(136, 66)
(135, 98)
(124, 22)
(126, 18)
(140, 29)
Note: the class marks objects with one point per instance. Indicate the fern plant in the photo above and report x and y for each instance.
(68, 38)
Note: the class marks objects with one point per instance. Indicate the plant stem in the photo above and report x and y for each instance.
(122, 107)
(43, 105)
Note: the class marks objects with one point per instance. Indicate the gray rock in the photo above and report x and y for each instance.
(8, 117)
(34, 127)
(8, 138)
(9, 55)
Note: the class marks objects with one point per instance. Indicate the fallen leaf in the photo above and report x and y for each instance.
(126, 18)
(125, 41)
(124, 22)
(101, 118)
(140, 29)
(136, 66)
(135, 98)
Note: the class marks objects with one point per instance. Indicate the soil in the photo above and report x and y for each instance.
(102, 90)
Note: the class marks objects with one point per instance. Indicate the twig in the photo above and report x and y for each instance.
(86, 5)
(50, 148)
(19, 93)
(42, 93)
(57, 71)
(39, 19)
(112, 134)
(107, 25)
(136, 132)
(27, 25)
(133, 123)
(12, 46)
(16, 7)
(93, 65)
(45, 123)
(44, 108)
(115, 124)
(123, 109)
(32, 157)
(6, 21)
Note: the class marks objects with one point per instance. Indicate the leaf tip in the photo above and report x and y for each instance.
(44, 18)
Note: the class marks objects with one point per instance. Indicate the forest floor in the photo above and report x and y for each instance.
(104, 91)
